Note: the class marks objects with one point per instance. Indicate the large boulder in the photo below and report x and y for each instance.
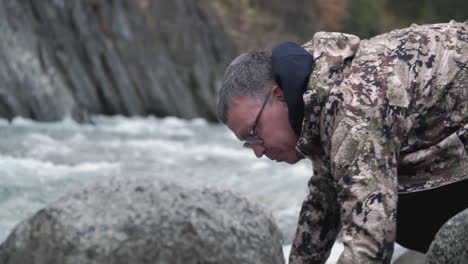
(408, 257)
(450, 245)
(75, 58)
(146, 220)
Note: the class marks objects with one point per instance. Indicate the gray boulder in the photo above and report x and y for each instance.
(146, 220)
(450, 244)
(409, 257)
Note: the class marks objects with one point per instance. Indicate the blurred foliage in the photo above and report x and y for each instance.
(364, 24)
(428, 11)
(260, 24)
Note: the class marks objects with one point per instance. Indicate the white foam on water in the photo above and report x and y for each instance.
(119, 124)
(14, 169)
(41, 161)
(259, 165)
(66, 124)
(76, 138)
(155, 144)
(41, 145)
(220, 152)
(4, 122)
(12, 165)
(41, 138)
(173, 122)
(21, 121)
(95, 166)
(169, 126)
(198, 122)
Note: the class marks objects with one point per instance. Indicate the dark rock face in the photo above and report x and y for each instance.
(144, 220)
(450, 244)
(73, 58)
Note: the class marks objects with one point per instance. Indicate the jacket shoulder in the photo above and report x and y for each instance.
(332, 43)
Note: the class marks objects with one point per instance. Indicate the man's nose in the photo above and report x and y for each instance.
(259, 150)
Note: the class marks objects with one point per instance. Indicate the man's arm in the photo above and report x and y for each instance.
(366, 173)
(318, 222)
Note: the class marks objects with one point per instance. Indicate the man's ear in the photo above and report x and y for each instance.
(278, 94)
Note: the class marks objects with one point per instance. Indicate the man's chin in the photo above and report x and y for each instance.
(290, 158)
(292, 161)
(295, 158)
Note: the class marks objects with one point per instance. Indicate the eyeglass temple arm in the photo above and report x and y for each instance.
(260, 113)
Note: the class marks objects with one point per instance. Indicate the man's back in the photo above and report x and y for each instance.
(426, 79)
(415, 81)
(383, 116)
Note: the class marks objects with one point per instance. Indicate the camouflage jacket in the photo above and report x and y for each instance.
(382, 116)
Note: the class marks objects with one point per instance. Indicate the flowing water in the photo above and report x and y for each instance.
(39, 162)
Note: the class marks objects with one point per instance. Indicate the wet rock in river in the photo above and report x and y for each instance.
(146, 220)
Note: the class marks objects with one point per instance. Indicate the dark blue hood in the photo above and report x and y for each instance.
(292, 66)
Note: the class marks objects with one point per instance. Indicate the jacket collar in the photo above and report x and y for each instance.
(333, 53)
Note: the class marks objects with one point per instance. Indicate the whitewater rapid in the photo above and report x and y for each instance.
(39, 162)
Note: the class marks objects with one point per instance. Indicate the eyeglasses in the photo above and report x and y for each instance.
(253, 139)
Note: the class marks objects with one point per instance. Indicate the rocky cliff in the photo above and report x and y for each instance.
(75, 58)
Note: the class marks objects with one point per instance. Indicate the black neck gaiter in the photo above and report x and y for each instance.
(292, 66)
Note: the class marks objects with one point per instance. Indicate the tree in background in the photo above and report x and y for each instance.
(261, 24)
(331, 14)
(426, 11)
(446, 10)
(365, 18)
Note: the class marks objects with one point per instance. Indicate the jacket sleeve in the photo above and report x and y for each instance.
(364, 167)
(318, 221)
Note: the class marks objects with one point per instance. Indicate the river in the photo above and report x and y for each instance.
(39, 162)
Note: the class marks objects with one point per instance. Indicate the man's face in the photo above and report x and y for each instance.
(278, 139)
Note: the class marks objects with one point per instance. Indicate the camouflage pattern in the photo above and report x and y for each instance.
(383, 116)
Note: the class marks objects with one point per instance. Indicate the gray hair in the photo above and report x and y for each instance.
(248, 75)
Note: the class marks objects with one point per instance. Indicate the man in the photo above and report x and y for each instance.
(384, 122)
